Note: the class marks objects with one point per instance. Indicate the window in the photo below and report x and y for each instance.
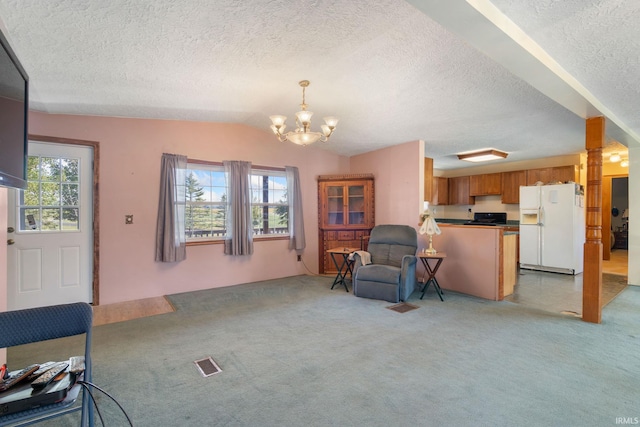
(206, 200)
(51, 201)
(269, 205)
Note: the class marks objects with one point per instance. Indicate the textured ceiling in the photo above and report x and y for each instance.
(393, 71)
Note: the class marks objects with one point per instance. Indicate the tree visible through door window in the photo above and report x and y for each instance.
(51, 201)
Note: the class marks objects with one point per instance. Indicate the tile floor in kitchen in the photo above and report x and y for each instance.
(560, 293)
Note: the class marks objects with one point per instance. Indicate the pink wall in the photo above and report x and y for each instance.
(130, 152)
(399, 186)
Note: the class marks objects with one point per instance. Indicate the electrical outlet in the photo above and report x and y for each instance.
(299, 257)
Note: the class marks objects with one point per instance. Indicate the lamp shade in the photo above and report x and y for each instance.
(304, 116)
(278, 120)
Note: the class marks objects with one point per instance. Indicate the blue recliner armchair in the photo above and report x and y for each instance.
(391, 275)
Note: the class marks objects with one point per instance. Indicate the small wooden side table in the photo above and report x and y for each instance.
(343, 264)
(431, 271)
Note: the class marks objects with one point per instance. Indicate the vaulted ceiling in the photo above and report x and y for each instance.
(460, 75)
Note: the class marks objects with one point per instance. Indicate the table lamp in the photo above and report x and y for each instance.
(428, 226)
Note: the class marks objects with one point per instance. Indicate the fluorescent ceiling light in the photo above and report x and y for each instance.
(483, 155)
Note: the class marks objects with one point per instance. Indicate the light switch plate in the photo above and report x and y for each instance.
(128, 219)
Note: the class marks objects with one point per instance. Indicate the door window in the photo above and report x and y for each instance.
(51, 202)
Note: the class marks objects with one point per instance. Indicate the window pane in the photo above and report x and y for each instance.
(70, 219)
(33, 168)
(50, 194)
(270, 209)
(70, 194)
(206, 202)
(50, 169)
(50, 219)
(29, 219)
(30, 196)
(69, 170)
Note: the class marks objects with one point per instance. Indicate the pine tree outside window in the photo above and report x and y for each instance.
(206, 196)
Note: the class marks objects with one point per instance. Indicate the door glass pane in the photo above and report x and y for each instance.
(50, 219)
(70, 194)
(69, 170)
(31, 196)
(49, 169)
(50, 193)
(70, 219)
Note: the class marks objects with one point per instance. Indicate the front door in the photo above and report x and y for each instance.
(51, 261)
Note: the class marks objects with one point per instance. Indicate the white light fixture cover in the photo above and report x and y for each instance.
(302, 135)
(624, 163)
(483, 155)
(615, 157)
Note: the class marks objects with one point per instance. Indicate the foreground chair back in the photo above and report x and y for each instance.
(391, 276)
(41, 324)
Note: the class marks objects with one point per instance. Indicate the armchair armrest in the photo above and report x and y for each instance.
(407, 276)
(357, 262)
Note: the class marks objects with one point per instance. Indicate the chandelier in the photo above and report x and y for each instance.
(302, 135)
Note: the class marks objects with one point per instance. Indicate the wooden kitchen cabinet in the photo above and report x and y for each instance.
(459, 191)
(485, 184)
(511, 182)
(440, 193)
(346, 214)
(553, 174)
(428, 179)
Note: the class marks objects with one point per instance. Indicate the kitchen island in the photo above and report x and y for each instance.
(481, 260)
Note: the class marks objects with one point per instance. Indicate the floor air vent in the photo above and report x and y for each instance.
(207, 366)
(403, 307)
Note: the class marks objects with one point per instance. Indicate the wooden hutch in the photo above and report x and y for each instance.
(346, 214)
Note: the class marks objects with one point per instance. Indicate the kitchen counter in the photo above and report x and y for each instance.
(481, 260)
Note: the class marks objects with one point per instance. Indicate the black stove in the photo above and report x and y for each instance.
(488, 218)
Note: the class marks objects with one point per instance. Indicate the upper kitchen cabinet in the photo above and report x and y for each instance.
(485, 184)
(511, 182)
(440, 193)
(459, 191)
(553, 174)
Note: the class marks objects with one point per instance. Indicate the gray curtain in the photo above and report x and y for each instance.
(170, 234)
(296, 221)
(239, 240)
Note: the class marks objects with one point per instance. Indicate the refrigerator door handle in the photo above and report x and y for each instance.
(541, 216)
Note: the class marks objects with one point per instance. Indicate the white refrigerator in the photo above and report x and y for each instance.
(552, 228)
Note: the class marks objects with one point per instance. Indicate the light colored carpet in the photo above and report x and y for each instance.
(295, 353)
